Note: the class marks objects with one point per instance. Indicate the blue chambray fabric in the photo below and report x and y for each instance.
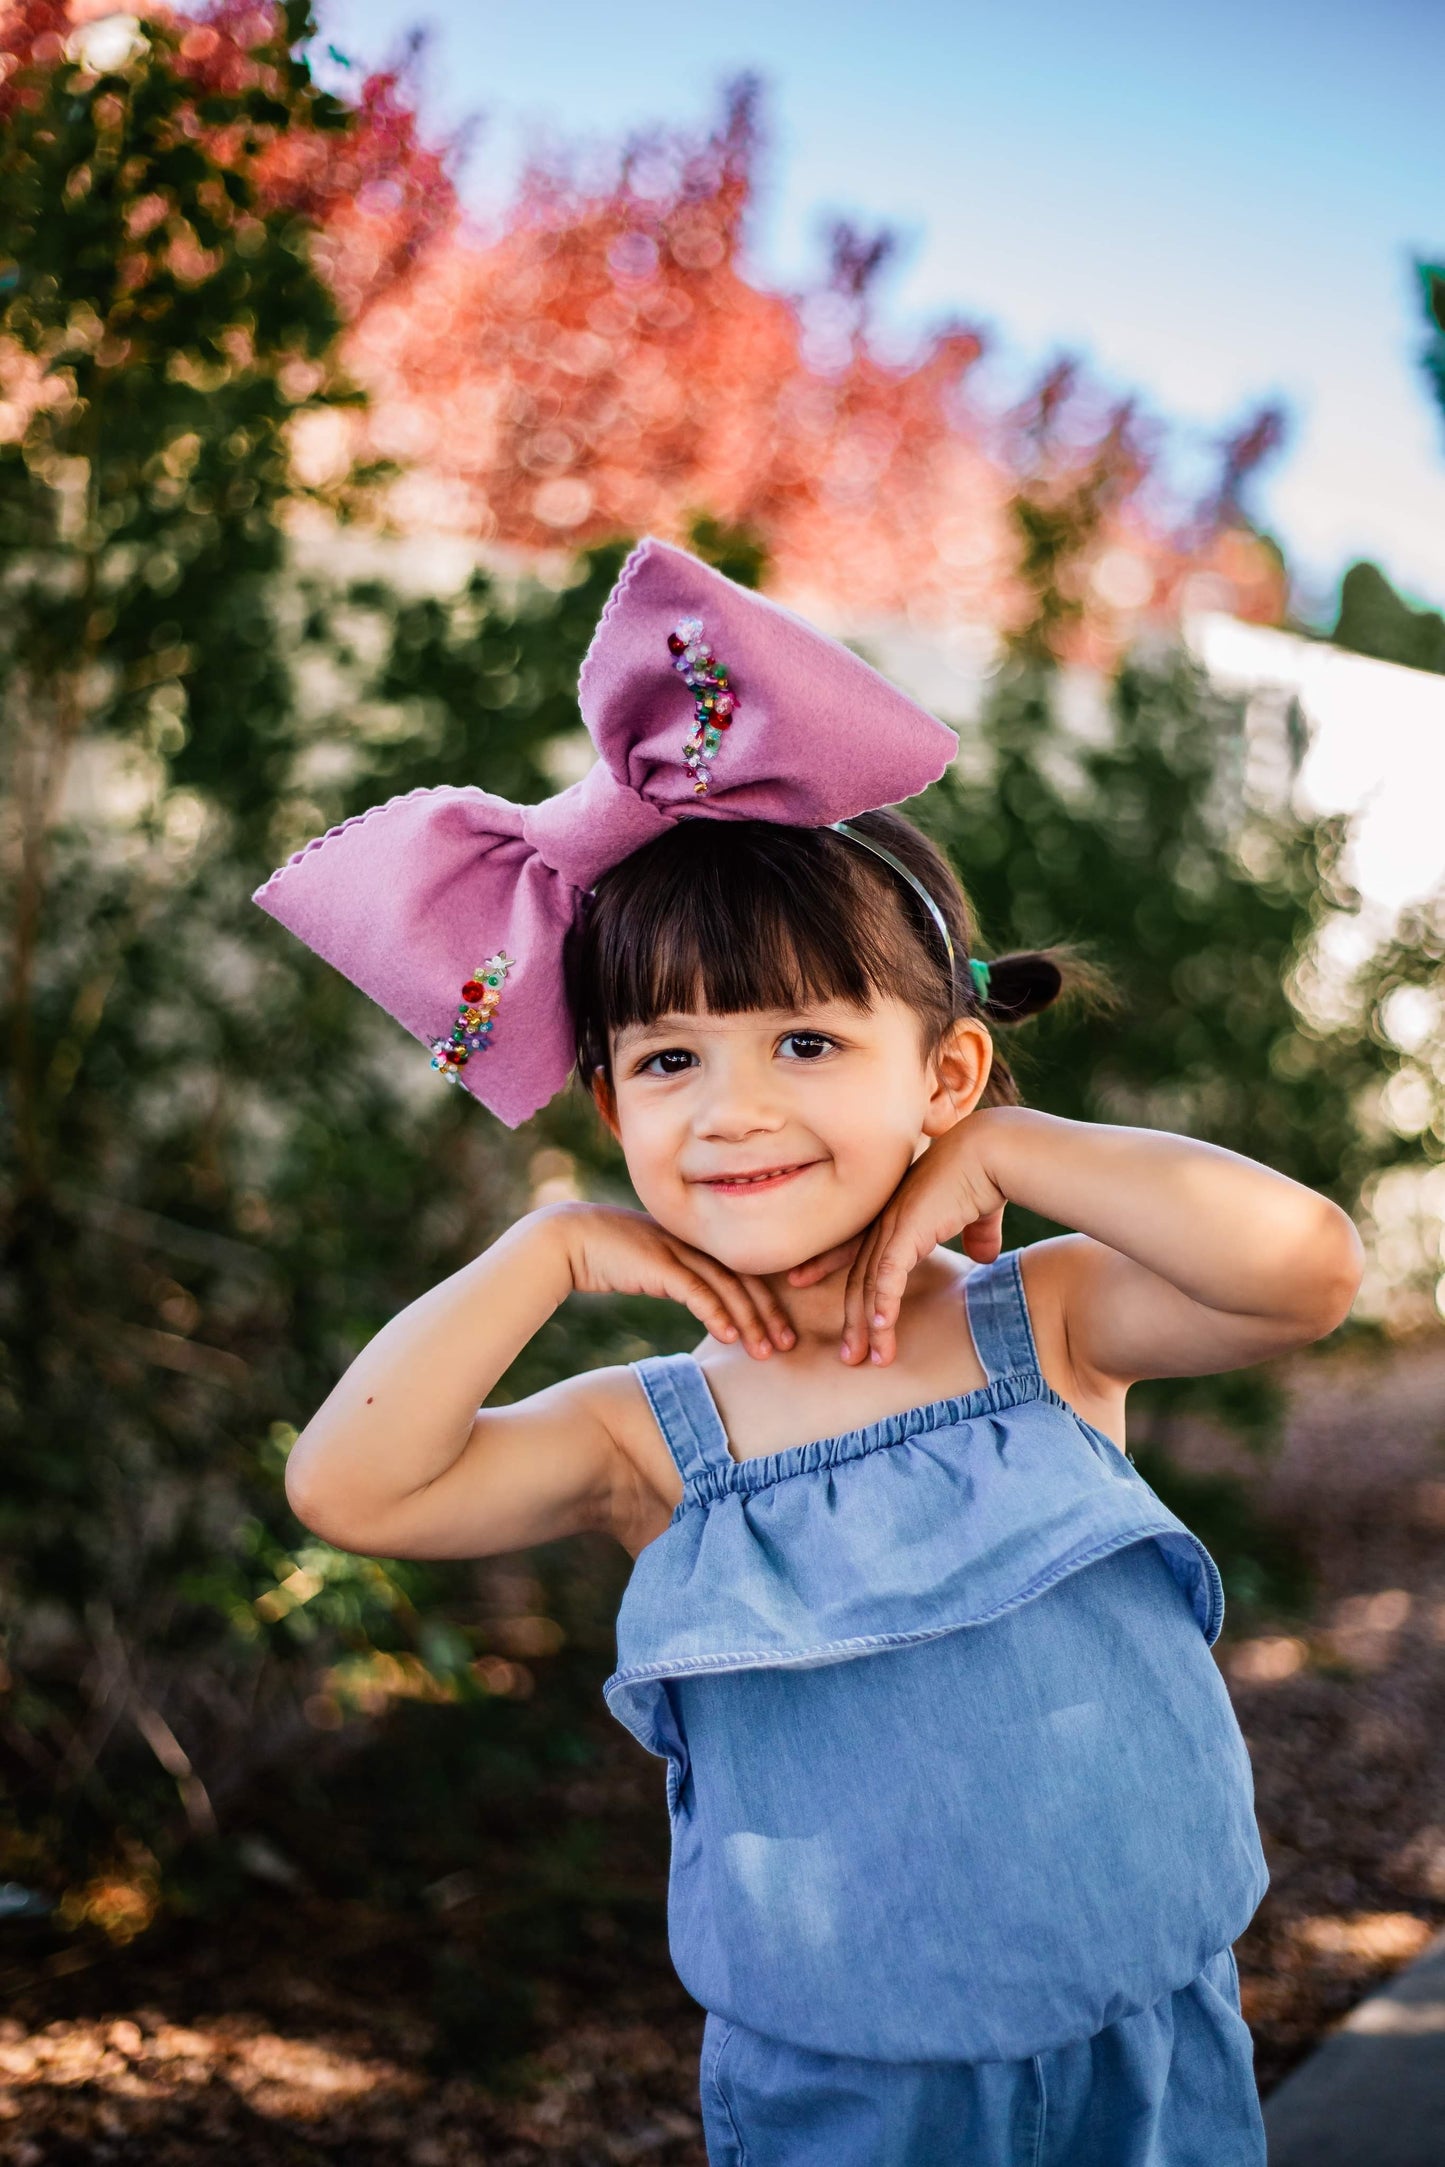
(1171, 2086)
(951, 1771)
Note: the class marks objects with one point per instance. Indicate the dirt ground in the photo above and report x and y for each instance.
(320, 2019)
(1344, 1710)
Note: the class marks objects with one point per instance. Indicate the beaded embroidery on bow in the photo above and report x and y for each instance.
(714, 701)
(472, 1031)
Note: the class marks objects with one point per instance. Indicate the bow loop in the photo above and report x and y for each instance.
(813, 733)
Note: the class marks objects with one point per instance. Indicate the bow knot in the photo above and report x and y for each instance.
(591, 825)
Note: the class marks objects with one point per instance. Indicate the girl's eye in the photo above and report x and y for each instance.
(671, 1061)
(806, 1045)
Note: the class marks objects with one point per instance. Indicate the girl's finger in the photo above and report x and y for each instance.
(815, 1268)
(770, 1309)
(855, 1315)
(983, 1239)
(701, 1300)
(738, 1305)
(884, 1294)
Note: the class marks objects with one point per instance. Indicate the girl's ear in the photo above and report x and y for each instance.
(604, 1099)
(961, 1069)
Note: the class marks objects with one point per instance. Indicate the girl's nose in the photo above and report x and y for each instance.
(738, 1103)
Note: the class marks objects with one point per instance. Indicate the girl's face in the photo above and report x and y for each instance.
(767, 1137)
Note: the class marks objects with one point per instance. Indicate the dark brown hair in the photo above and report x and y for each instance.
(732, 915)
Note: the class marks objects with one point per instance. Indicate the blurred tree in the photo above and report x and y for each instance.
(1072, 479)
(1136, 842)
(1133, 831)
(164, 336)
(1374, 620)
(1243, 452)
(216, 1176)
(604, 361)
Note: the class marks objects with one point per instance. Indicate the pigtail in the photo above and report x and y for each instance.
(1020, 986)
(1024, 984)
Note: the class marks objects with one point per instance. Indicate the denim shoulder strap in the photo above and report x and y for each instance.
(686, 1413)
(998, 1316)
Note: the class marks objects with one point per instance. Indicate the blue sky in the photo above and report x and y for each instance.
(1212, 205)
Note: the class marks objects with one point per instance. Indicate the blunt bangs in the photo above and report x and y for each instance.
(736, 916)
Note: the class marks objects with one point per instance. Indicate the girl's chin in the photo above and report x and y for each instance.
(761, 1264)
(760, 1258)
(779, 1238)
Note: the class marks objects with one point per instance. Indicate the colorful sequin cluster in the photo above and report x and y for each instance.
(715, 702)
(472, 1031)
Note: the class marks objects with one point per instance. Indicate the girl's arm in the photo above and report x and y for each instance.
(402, 1461)
(1187, 1259)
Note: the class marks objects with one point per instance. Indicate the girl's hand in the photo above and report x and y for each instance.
(610, 1250)
(948, 1190)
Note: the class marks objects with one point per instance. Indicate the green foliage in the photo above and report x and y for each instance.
(1200, 906)
(1262, 1567)
(1402, 997)
(478, 683)
(175, 328)
(737, 551)
(220, 1172)
(1374, 620)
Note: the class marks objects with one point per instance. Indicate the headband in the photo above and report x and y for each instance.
(978, 970)
(704, 700)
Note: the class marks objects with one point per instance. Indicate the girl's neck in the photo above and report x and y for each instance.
(816, 1313)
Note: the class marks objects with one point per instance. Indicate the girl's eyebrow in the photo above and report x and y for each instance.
(818, 1013)
(662, 1028)
(659, 1025)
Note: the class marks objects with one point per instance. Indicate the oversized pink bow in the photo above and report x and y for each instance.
(450, 906)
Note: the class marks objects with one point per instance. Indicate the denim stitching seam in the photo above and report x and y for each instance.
(1042, 2090)
(723, 2099)
(661, 1397)
(1021, 1300)
(760, 1473)
(740, 1658)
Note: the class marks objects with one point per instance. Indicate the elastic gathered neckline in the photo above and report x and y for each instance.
(764, 1469)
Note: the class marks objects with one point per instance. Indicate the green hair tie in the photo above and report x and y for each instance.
(980, 973)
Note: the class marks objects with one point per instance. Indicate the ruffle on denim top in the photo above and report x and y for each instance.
(951, 1770)
(944, 1516)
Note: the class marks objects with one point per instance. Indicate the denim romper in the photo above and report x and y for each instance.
(962, 1820)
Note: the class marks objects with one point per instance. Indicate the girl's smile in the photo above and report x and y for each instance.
(740, 1184)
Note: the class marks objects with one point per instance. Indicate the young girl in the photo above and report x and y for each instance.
(962, 1823)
